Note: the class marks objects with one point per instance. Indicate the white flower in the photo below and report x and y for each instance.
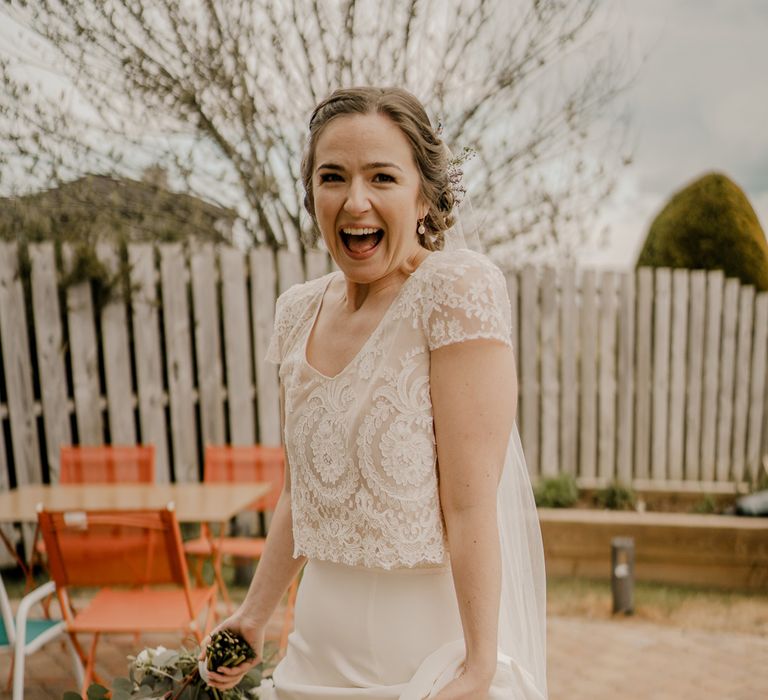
(145, 661)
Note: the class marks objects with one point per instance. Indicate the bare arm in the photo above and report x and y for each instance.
(274, 574)
(474, 395)
(277, 567)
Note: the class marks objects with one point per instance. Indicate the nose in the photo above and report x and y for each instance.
(357, 201)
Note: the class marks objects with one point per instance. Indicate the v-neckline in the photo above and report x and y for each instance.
(373, 333)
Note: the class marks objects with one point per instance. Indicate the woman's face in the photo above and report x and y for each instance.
(367, 193)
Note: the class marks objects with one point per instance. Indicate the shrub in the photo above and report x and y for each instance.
(705, 505)
(709, 225)
(760, 482)
(616, 496)
(556, 492)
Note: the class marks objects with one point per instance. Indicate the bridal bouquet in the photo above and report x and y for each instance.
(168, 674)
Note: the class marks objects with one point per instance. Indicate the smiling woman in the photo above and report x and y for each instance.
(398, 392)
(367, 197)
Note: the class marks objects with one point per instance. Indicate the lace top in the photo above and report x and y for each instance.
(361, 445)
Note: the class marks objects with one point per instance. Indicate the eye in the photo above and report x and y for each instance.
(383, 177)
(330, 177)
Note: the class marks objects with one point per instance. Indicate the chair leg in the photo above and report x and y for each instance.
(24, 567)
(198, 570)
(11, 682)
(211, 616)
(219, 575)
(45, 604)
(78, 652)
(76, 660)
(29, 572)
(89, 665)
(17, 669)
(17, 665)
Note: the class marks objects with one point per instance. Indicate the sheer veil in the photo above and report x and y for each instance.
(522, 617)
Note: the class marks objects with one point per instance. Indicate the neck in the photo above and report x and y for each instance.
(356, 294)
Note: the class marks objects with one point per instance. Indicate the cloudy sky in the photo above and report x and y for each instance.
(699, 103)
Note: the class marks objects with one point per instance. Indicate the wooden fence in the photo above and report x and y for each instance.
(656, 375)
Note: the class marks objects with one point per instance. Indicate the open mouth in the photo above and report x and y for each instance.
(361, 241)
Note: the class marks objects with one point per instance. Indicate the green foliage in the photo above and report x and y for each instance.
(560, 491)
(97, 692)
(113, 209)
(706, 505)
(709, 225)
(616, 496)
(760, 482)
(99, 209)
(175, 673)
(85, 266)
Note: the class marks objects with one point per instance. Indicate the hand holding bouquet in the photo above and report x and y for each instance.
(167, 674)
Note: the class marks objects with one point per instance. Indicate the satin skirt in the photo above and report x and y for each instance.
(364, 634)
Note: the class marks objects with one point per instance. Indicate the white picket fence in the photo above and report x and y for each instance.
(656, 375)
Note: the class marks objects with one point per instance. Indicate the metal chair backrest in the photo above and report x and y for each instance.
(247, 463)
(113, 548)
(107, 464)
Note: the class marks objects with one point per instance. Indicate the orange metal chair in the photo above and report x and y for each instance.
(247, 463)
(101, 464)
(138, 550)
(107, 464)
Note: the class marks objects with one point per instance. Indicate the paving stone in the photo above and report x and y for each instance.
(588, 660)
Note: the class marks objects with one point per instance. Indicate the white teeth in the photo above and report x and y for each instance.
(359, 231)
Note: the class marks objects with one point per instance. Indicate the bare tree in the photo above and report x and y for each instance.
(218, 92)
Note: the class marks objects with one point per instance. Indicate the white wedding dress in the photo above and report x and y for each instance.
(376, 614)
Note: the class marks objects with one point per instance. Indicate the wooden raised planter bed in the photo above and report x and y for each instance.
(700, 550)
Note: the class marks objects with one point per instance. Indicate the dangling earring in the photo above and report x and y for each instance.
(422, 229)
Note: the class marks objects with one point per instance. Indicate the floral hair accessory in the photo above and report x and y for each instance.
(456, 174)
(455, 171)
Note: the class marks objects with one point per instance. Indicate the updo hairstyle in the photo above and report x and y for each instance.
(429, 153)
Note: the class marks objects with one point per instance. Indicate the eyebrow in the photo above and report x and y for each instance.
(368, 166)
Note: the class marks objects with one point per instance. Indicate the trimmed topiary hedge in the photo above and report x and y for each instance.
(709, 225)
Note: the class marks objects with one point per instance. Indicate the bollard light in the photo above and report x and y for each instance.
(623, 574)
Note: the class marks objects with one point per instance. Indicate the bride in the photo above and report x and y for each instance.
(407, 495)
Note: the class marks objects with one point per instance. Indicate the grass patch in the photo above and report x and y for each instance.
(679, 606)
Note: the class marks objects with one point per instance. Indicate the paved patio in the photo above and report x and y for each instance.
(623, 658)
(588, 660)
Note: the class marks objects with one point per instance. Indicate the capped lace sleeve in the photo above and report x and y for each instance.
(284, 321)
(274, 354)
(465, 298)
(293, 308)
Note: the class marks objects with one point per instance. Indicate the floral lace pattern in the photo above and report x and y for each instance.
(361, 446)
